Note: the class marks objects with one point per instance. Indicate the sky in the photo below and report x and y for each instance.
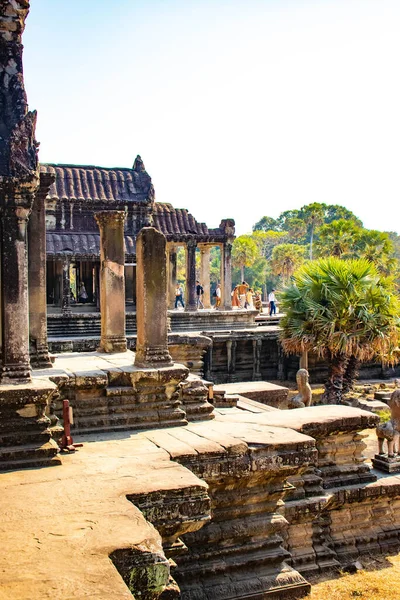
(238, 108)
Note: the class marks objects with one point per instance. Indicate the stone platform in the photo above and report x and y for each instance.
(261, 391)
(89, 514)
(108, 393)
(243, 506)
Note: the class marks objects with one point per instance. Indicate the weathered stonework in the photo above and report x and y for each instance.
(39, 350)
(25, 436)
(112, 280)
(19, 181)
(194, 397)
(114, 399)
(151, 311)
(189, 350)
(240, 553)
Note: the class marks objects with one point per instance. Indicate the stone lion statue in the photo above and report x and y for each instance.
(390, 431)
(304, 397)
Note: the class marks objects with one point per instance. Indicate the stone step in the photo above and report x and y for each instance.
(29, 455)
(137, 420)
(18, 437)
(86, 429)
(91, 409)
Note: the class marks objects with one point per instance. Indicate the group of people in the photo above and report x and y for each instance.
(199, 295)
(243, 296)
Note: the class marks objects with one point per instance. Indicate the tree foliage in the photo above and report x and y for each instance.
(285, 259)
(343, 310)
(244, 252)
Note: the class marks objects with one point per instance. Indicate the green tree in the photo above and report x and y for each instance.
(266, 224)
(313, 215)
(286, 258)
(344, 311)
(244, 253)
(377, 247)
(334, 212)
(267, 240)
(296, 228)
(338, 238)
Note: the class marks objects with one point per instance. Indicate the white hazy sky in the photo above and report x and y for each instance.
(238, 108)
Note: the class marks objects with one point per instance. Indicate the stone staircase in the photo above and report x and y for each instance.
(25, 434)
(134, 399)
(82, 325)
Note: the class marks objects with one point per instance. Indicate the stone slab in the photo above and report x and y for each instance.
(60, 525)
(315, 421)
(261, 391)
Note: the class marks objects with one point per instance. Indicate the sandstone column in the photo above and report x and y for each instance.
(226, 270)
(151, 309)
(171, 274)
(14, 262)
(191, 275)
(112, 280)
(37, 276)
(205, 274)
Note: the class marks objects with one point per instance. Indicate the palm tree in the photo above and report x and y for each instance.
(244, 252)
(338, 238)
(340, 310)
(285, 259)
(313, 215)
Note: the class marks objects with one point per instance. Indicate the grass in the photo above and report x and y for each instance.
(380, 580)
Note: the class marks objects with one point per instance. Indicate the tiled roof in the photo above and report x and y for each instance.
(96, 184)
(81, 244)
(176, 223)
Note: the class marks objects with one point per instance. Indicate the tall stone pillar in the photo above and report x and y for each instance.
(171, 275)
(112, 280)
(226, 270)
(37, 277)
(66, 286)
(191, 275)
(205, 274)
(151, 305)
(14, 293)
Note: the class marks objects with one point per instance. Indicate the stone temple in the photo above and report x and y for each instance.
(179, 490)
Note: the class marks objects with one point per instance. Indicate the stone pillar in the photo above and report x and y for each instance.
(226, 271)
(205, 274)
(257, 345)
(112, 280)
(231, 356)
(37, 277)
(191, 275)
(172, 272)
(14, 262)
(151, 308)
(66, 287)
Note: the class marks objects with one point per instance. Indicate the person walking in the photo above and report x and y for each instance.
(242, 289)
(199, 295)
(235, 298)
(249, 299)
(272, 300)
(179, 296)
(82, 296)
(218, 296)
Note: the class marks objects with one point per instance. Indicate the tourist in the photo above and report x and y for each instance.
(249, 299)
(258, 302)
(199, 295)
(272, 300)
(179, 296)
(83, 297)
(235, 298)
(218, 296)
(242, 290)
